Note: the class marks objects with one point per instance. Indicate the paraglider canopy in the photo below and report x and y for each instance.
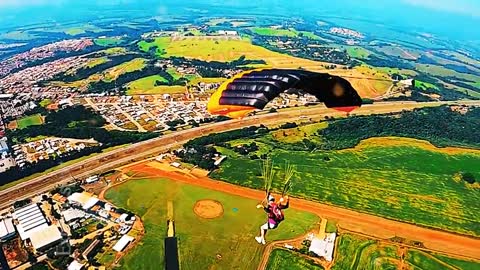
(252, 90)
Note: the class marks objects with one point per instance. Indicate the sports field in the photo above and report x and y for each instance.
(281, 259)
(146, 86)
(32, 120)
(225, 242)
(354, 252)
(388, 177)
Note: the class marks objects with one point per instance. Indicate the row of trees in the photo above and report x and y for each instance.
(439, 125)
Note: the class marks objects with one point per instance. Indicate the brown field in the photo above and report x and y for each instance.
(208, 209)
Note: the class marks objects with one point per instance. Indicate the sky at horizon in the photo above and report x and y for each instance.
(453, 19)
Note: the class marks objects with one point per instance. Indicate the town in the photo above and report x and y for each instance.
(68, 227)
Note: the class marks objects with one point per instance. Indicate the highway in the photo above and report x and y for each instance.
(141, 150)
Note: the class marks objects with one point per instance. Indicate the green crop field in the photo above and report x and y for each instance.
(383, 176)
(200, 240)
(146, 86)
(360, 253)
(281, 259)
(32, 120)
(354, 252)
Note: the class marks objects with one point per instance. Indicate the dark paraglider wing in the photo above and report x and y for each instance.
(254, 89)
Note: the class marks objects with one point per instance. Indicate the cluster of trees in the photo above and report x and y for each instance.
(245, 149)
(214, 69)
(175, 123)
(200, 151)
(439, 125)
(468, 177)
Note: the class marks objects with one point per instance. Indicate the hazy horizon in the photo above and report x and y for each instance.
(409, 15)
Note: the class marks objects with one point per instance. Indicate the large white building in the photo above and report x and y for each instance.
(44, 238)
(32, 225)
(29, 218)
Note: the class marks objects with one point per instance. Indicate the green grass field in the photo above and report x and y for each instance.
(200, 240)
(281, 259)
(267, 31)
(146, 86)
(108, 41)
(129, 66)
(45, 102)
(385, 177)
(358, 52)
(425, 85)
(354, 252)
(160, 43)
(32, 120)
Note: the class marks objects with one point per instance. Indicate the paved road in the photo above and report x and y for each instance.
(141, 150)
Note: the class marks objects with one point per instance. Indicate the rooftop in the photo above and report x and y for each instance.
(122, 243)
(45, 237)
(85, 199)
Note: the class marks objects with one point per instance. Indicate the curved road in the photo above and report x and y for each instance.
(141, 150)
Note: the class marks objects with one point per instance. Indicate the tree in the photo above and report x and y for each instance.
(468, 177)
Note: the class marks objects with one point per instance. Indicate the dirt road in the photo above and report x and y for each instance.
(439, 241)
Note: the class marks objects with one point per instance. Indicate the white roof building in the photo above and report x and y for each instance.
(45, 237)
(6, 229)
(30, 218)
(92, 179)
(84, 199)
(123, 243)
(75, 266)
(72, 214)
(324, 247)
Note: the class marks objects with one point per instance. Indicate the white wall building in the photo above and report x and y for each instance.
(123, 243)
(7, 230)
(324, 247)
(84, 199)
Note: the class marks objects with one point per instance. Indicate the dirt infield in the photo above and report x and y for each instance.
(208, 209)
(370, 225)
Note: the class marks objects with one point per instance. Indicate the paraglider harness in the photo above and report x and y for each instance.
(275, 213)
